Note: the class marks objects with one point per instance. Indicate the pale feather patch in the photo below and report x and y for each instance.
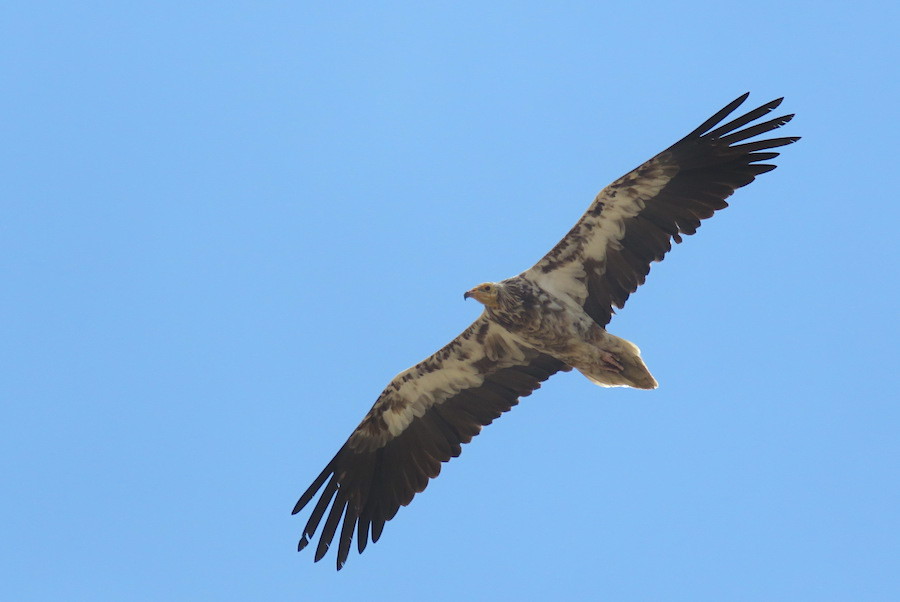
(424, 390)
(500, 347)
(567, 281)
(561, 272)
(623, 199)
(412, 392)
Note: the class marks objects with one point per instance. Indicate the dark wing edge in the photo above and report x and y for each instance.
(364, 488)
(687, 183)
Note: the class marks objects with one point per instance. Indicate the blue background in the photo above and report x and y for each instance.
(226, 226)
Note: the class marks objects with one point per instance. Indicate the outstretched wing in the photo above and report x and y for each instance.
(633, 221)
(419, 421)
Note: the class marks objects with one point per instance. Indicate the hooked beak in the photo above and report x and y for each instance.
(466, 295)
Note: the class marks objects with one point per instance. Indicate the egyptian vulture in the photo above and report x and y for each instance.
(548, 319)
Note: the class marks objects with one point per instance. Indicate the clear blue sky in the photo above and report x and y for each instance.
(225, 228)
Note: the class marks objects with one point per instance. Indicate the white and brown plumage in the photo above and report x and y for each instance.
(548, 319)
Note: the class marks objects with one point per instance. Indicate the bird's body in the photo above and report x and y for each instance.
(550, 318)
(557, 326)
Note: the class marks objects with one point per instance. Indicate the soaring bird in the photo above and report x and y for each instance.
(548, 319)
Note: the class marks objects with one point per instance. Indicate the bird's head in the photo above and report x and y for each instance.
(487, 294)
